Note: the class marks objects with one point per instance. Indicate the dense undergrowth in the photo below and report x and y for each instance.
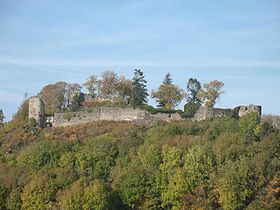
(220, 164)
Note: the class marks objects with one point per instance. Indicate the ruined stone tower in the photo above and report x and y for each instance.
(243, 110)
(37, 110)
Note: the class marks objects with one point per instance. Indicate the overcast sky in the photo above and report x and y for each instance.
(237, 42)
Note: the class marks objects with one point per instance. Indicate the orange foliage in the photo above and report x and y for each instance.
(270, 198)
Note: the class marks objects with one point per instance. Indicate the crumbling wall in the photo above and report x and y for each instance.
(36, 110)
(243, 110)
(74, 118)
(121, 114)
(110, 114)
(204, 113)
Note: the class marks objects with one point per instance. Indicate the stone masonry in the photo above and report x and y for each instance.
(37, 110)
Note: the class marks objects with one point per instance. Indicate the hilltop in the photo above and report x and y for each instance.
(223, 163)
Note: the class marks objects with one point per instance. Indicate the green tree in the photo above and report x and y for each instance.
(211, 92)
(45, 153)
(190, 109)
(76, 102)
(96, 196)
(236, 186)
(139, 92)
(14, 201)
(168, 95)
(250, 126)
(193, 88)
(2, 117)
(133, 187)
(39, 193)
(167, 80)
(172, 195)
(199, 162)
(72, 198)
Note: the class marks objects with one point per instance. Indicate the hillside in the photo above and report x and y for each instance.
(220, 164)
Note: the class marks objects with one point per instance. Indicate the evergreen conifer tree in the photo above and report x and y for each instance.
(139, 90)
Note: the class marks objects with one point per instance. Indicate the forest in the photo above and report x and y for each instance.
(223, 163)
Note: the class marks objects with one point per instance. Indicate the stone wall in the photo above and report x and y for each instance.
(204, 113)
(243, 110)
(36, 110)
(109, 114)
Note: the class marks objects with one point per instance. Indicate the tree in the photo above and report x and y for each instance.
(96, 196)
(108, 85)
(92, 85)
(236, 186)
(72, 91)
(193, 88)
(168, 95)
(72, 198)
(53, 96)
(167, 80)
(2, 117)
(250, 126)
(21, 117)
(139, 90)
(211, 92)
(14, 201)
(39, 193)
(124, 90)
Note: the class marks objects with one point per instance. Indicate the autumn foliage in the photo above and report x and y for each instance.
(223, 163)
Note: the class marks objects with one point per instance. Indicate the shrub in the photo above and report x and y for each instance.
(190, 109)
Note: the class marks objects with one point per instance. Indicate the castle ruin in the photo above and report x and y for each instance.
(37, 110)
(204, 113)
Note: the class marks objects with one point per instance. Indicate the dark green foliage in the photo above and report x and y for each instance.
(139, 92)
(76, 103)
(190, 109)
(222, 125)
(153, 110)
(167, 79)
(193, 88)
(2, 117)
(43, 154)
(133, 187)
(32, 123)
(3, 197)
